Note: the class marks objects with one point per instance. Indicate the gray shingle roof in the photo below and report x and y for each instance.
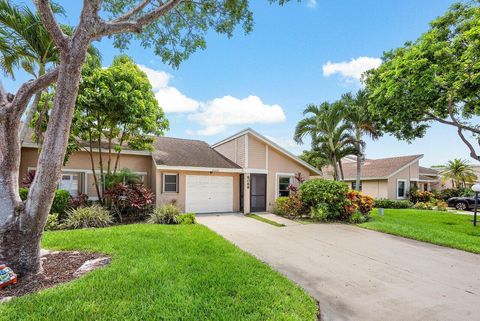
(378, 168)
(185, 152)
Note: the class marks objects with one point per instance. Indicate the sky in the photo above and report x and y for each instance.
(300, 53)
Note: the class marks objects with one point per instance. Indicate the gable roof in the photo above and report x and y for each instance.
(382, 168)
(428, 171)
(269, 143)
(188, 153)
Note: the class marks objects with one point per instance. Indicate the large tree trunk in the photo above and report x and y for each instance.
(30, 113)
(22, 224)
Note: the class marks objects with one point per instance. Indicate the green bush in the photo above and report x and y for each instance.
(280, 207)
(84, 217)
(187, 218)
(53, 222)
(358, 218)
(388, 203)
(421, 206)
(319, 213)
(330, 194)
(61, 202)
(23, 193)
(167, 214)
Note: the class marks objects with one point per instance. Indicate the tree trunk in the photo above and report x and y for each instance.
(359, 164)
(30, 113)
(340, 166)
(335, 168)
(22, 224)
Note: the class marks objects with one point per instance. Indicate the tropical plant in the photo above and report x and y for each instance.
(85, 217)
(130, 202)
(167, 214)
(362, 122)
(186, 219)
(330, 135)
(459, 171)
(330, 194)
(175, 28)
(388, 203)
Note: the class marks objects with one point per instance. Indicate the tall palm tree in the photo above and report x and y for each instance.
(459, 171)
(330, 135)
(362, 124)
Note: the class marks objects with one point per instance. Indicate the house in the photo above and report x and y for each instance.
(245, 172)
(429, 179)
(391, 177)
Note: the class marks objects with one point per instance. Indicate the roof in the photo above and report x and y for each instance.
(379, 168)
(428, 171)
(188, 153)
(270, 143)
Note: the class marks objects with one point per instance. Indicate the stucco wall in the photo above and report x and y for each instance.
(374, 188)
(407, 174)
(280, 163)
(81, 161)
(179, 198)
(234, 150)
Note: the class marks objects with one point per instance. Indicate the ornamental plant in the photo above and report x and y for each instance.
(131, 202)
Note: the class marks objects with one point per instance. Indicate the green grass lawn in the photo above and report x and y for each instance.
(442, 228)
(158, 272)
(265, 220)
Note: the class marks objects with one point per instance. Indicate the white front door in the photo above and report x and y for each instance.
(208, 194)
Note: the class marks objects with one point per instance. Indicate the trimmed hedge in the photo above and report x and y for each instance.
(331, 194)
(388, 203)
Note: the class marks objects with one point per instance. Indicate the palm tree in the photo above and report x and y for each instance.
(362, 123)
(330, 135)
(459, 171)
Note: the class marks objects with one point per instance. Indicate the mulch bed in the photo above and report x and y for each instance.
(58, 267)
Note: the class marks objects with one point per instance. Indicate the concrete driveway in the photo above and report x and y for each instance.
(358, 274)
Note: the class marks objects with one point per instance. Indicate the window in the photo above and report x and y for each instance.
(283, 183)
(354, 185)
(69, 182)
(170, 183)
(401, 190)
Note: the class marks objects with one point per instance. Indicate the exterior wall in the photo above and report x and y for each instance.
(80, 162)
(374, 188)
(410, 174)
(234, 150)
(257, 153)
(179, 197)
(279, 163)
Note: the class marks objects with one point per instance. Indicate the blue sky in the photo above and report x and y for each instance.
(301, 53)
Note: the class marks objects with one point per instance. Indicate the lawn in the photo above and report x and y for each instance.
(265, 220)
(163, 272)
(442, 228)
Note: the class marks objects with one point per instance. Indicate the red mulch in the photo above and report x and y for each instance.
(58, 267)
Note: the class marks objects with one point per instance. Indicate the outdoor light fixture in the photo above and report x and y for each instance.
(476, 189)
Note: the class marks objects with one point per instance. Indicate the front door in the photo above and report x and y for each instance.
(258, 192)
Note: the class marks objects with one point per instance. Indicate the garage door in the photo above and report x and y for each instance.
(208, 194)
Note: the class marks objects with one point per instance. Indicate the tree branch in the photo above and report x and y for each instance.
(452, 123)
(46, 14)
(116, 26)
(132, 12)
(473, 152)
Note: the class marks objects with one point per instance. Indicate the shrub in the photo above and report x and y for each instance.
(187, 218)
(280, 206)
(130, 202)
(84, 217)
(425, 197)
(167, 214)
(53, 222)
(421, 206)
(80, 200)
(319, 213)
(23, 193)
(441, 206)
(358, 217)
(290, 206)
(465, 192)
(61, 202)
(357, 204)
(388, 203)
(331, 194)
(27, 180)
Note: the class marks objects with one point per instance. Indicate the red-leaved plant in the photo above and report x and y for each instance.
(131, 201)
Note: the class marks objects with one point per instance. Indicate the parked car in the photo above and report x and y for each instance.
(462, 203)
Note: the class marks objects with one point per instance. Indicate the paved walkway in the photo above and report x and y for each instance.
(361, 275)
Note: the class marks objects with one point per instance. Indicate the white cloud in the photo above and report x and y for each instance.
(169, 98)
(353, 69)
(312, 3)
(219, 113)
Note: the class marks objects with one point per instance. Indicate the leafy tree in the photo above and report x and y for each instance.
(362, 122)
(173, 28)
(434, 79)
(459, 171)
(116, 107)
(330, 134)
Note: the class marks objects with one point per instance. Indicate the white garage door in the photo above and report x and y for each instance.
(208, 194)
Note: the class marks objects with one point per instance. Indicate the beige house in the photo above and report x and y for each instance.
(245, 172)
(387, 177)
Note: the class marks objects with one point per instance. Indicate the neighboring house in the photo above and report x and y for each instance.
(429, 179)
(385, 178)
(245, 172)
